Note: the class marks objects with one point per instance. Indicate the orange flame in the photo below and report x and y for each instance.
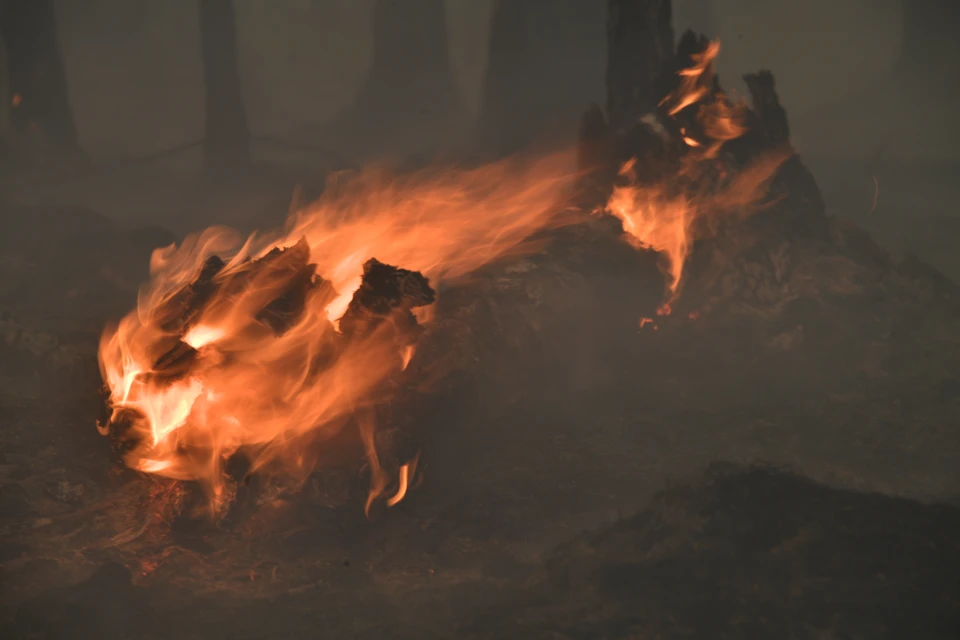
(407, 471)
(666, 216)
(229, 384)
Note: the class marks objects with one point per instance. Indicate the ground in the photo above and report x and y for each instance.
(564, 416)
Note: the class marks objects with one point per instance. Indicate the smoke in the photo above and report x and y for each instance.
(134, 68)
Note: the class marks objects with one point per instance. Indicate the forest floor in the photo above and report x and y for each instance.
(846, 528)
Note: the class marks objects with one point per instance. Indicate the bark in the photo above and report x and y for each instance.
(227, 142)
(37, 79)
(640, 42)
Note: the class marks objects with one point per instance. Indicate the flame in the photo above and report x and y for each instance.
(667, 215)
(16, 100)
(407, 355)
(407, 471)
(197, 373)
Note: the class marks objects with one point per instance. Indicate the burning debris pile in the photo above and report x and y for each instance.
(264, 298)
(265, 350)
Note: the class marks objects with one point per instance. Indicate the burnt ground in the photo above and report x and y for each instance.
(560, 416)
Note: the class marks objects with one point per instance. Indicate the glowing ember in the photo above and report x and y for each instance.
(666, 215)
(233, 348)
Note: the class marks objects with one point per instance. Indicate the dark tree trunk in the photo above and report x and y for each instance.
(543, 64)
(38, 81)
(697, 16)
(640, 41)
(503, 124)
(227, 144)
(409, 99)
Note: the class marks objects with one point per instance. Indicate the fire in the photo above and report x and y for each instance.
(406, 473)
(668, 213)
(235, 346)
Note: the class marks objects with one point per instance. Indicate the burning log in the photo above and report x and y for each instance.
(240, 356)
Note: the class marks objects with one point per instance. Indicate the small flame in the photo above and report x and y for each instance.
(406, 472)
(16, 101)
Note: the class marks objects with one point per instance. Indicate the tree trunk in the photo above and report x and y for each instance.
(544, 65)
(227, 144)
(40, 101)
(409, 102)
(640, 44)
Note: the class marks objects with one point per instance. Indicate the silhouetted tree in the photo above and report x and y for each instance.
(37, 80)
(410, 90)
(227, 143)
(544, 63)
(640, 41)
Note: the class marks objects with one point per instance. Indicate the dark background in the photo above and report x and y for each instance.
(870, 86)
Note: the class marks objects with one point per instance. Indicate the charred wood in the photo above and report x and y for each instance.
(177, 311)
(640, 43)
(386, 292)
(227, 144)
(771, 118)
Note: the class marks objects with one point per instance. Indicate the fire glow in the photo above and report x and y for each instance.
(193, 392)
(667, 215)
